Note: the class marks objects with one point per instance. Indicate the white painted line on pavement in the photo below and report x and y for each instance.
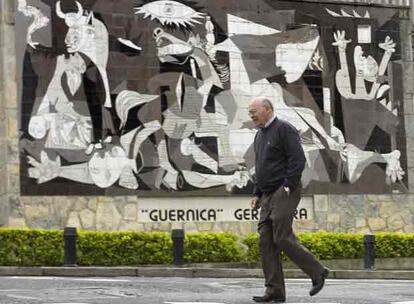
(21, 297)
(223, 303)
(405, 302)
(192, 303)
(71, 279)
(373, 281)
(100, 280)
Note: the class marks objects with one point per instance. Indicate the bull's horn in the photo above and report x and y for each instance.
(80, 10)
(59, 11)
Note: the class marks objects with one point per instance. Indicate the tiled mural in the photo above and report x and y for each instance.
(150, 97)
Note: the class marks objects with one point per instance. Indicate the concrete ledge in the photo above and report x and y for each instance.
(373, 274)
(20, 271)
(89, 271)
(184, 272)
(194, 272)
(342, 264)
(227, 273)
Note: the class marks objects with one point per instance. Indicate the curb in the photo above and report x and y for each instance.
(193, 272)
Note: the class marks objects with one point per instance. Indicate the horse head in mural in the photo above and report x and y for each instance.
(175, 50)
(200, 53)
(89, 36)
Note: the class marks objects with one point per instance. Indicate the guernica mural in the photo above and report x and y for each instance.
(150, 97)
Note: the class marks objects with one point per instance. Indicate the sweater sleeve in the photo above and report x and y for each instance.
(295, 157)
(256, 190)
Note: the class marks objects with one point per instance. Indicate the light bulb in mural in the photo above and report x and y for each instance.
(170, 13)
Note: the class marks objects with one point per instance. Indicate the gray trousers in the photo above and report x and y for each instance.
(276, 235)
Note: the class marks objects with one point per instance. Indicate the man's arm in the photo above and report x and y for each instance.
(257, 193)
(295, 157)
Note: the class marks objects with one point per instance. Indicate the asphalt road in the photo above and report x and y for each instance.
(126, 290)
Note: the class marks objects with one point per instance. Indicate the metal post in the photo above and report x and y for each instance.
(369, 254)
(177, 236)
(69, 236)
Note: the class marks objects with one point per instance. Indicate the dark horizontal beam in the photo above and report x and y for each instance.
(382, 3)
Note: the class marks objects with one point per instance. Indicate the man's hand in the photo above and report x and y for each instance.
(255, 203)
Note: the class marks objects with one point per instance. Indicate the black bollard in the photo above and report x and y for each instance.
(69, 236)
(369, 255)
(177, 236)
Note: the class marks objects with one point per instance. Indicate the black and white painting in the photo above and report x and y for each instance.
(150, 97)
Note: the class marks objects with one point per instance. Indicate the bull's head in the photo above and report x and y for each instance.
(89, 36)
(80, 30)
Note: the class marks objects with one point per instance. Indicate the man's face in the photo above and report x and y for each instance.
(259, 113)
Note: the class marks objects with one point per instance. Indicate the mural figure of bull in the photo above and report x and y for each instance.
(89, 36)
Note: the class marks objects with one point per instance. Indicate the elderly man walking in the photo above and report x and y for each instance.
(280, 161)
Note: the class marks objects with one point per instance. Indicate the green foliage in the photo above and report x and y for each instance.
(252, 243)
(38, 247)
(31, 247)
(211, 247)
(333, 245)
(24, 247)
(324, 245)
(123, 248)
(390, 245)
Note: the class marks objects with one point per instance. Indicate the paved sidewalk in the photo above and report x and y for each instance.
(193, 272)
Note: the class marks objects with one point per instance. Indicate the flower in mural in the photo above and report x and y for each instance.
(170, 13)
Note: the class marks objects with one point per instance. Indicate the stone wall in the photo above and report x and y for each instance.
(361, 213)
(345, 213)
(10, 205)
(340, 213)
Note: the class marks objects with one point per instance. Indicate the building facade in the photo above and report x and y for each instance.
(134, 115)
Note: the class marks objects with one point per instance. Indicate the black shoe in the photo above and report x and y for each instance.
(317, 284)
(269, 298)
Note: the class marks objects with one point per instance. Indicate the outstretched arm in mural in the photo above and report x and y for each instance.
(104, 168)
(47, 169)
(342, 75)
(238, 179)
(358, 160)
(389, 47)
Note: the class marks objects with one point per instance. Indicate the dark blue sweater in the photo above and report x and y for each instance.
(280, 159)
